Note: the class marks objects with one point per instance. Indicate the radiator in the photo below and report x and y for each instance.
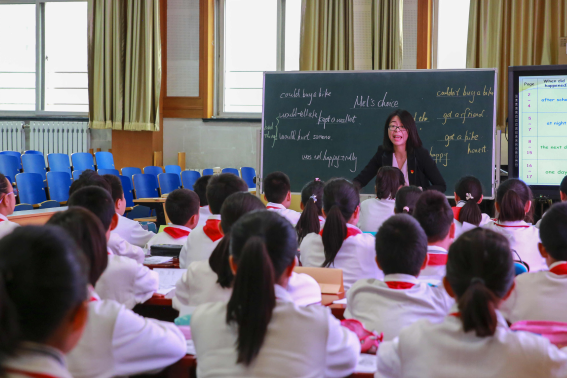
(12, 136)
(59, 137)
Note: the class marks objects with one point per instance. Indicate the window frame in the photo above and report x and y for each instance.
(40, 63)
(435, 35)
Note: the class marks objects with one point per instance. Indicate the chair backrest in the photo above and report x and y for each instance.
(208, 172)
(519, 268)
(329, 279)
(248, 174)
(168, 182)
(49, 204)
(82, 161)
(34, 163)
(153, 170)
(131, 171)
(30, 188)
(127, 188)
(9, 166)
(77, 174)
(105, 171)
(234, 171)
(139, 212)
(15, 154)
(59, 184)
(188, 179)
(33, 152)
(59, 163)
(23, 207)
(173, 169)
(146, 186)
(104, 160)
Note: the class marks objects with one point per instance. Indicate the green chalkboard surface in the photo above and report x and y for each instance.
(330, 124)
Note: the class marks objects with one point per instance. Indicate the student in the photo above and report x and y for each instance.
(400, 300)
(7, 205)
(311, 219)
(406, 198)
(43, 302)
(513, 203)
(435, 216)
(562, 197)
(182, 208)
(116, 341)
(341, 244)
(474, 340)
(468, 195)
(277, 191)
(374, 211)
(260, 332)
(203, 240)
(541, 295)
(124, 280)
(200, 187)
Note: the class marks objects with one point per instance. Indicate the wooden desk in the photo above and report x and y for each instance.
(157, 307)
(157, 204)
(34, 217)
(173, 264)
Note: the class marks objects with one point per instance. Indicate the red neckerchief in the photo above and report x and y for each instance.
(30, 374)
(175, 232)
(560, 270)
(506, 226)
(93, 299)
(211, 229)
(273, 207)
(456, 211)
(350, 232)
(436, 259)
(399, 285)
(455, 314)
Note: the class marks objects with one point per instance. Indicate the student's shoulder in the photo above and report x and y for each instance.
(311, 238)
(106, 308)
(207, 312)
(366, 284)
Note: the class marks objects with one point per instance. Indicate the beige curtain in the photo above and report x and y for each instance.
(506, 33)
(327, 38)
(124, 64)
(387, 34)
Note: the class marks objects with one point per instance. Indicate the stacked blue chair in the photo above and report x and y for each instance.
(59, 163)
(208, 172)
(33, 152)
(234, 171)
(9, 166)
(146, 186)
(49, 204)
(108, 172)
(139, 212)
(104, 160)
(127, 188)
(77, 174)
(30, 188)
(82, 161)
(34, 163)
(188, 178)
(173, 169)
(23, 207)
(59, 184)
(15, 154)
(168, 182)
(153, 170)
(248, 174)
(130, 172)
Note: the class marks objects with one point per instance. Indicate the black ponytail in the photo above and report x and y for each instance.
(312, 200)
(512, 197)
(469, 189)
(480, 271)
(406, 198)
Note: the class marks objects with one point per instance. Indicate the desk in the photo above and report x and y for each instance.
(173, 264)
(34, 217)
(157, 204)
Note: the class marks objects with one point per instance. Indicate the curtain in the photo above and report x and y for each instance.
(124, 64)
(506, 33)
(387, 25)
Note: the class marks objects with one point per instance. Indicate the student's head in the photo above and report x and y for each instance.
(340, 206)
(43, 289)
(263, 245)
(553, 233)
(7, 197)
(182, 208)
(220, 187)
(200, 187)
(480, 273)
(434, 214)
(117, 193)
(401, 246)
(406, 198)
(99, 202)
(234, 207)
(89, 178)
(469, 189)
(277, 188)
(406, 134)
(513, 200)
(89, 234)
(563, 189)
(312, 206)
(388, 181)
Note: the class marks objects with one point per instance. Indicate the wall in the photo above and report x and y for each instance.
(410, 35)
(101, 138)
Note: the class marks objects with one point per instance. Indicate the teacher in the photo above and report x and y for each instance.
(403, 149)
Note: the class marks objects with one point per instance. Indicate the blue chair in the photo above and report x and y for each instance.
(188, 179)
(82, 161)
(33, 152)
(173, 169)
(9, 166)
(49, 204)
(234, 171)
(77, 174)
(108, 172)
(130, 172)
(153, 170)
(168, 182)
(23, 207)
(15, 154)
(34, 163)
(208, 172)
(151, 226)
(248, 174)
(139, 212)
(59, 184)
(127, 188)
(59, 163)
(104, 160)
(30, 188)
(146, 186)
(520, 268)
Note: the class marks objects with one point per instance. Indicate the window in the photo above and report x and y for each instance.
(44, 66)
(452, 19)
(256, 36)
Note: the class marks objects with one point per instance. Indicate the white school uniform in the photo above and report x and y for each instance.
(201, 242)
(6, 227)
(132, 231)
(398, 301)
(121, 247)
(436, 266)
(172, 234)
(36, 360)
(300, 342)
(539, 296)
(374, 212)
(126, 281)
(199, 285)
(291, 215)
(204, 214)
(118, 342)
(524, 239)
(444, 350)
(321, 222)
(356, 257)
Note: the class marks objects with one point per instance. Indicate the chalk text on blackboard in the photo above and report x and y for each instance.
(442, 157)
(333, 160)
(271, 131)
(301, 93)
(362, 102)
(329, 119)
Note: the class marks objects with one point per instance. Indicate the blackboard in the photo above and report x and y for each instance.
(330, 124)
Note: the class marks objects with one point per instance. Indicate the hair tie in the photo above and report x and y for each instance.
(469, 196)
(475, 280)
(317, 179)
(313, 197)
(406, 209)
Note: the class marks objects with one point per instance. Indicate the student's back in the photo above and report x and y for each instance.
(277, 191)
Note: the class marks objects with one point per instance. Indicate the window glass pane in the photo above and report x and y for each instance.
(452, 33)
(250, 43)
(17, 57)
(66, 79)
(292, 29)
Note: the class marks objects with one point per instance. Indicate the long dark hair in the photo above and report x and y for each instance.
(406, 199)
(480, 271)
(235, 206)
(470, 212)
(262, 244)
(388, 181)
(512, 197)
(3, 184)
(340, 200)
(312, 209)
(407, 120)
